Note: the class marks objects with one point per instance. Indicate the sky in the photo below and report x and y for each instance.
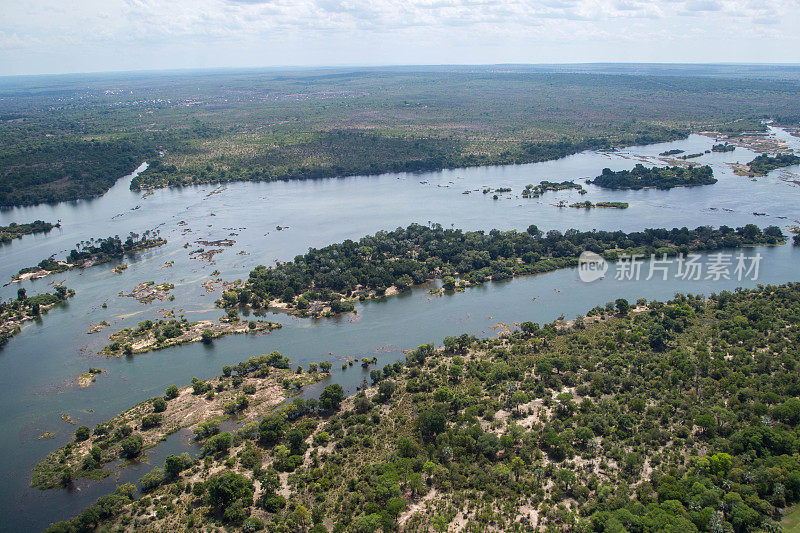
(57, 36)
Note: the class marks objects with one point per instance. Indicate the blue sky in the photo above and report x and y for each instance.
(53, 36)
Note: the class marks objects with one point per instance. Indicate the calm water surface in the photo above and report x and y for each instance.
(39, 367)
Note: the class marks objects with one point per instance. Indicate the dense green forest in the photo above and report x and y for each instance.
(675, 416)
(16, 311)
(56, 170)
(16, 231)
(764, 163)
(661, 178)
(64, 138)
(412, 255)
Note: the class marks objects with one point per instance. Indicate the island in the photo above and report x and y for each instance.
(764, 163)
(535, 191)
(629, 412)
(149, 335)
(327, 281)
(609, 205)
(723, 147)
(92, 252)
(14, 312)
(674, 151)
(16, 231)
(642, 177)
(256, 385)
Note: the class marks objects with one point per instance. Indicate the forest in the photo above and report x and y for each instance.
(763, 163)
(648, 416)
(67, 138)
(410, 256)
(49, 171)
(660, 178)
(17, 231)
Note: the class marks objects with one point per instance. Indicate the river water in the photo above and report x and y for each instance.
(39, 367)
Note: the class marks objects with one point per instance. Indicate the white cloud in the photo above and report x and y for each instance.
(107, 34)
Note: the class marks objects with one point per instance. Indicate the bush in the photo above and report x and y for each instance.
(132, 446)
(150, 421)
(82, 433)
(172, 392)
(159, 405)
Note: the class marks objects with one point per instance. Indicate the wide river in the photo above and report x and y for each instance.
(39, 367)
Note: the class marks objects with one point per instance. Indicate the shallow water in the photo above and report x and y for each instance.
(38, 368)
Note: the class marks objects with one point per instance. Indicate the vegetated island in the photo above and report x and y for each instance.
(764, 163)
(327, 281)
(256, 385)
(92, 252)
(674, 151)
(149, 336)
(642, 177)
(674, 416)
(608, 205)
(535, 191)
(16, 231)
(16, 311)
(723, 147)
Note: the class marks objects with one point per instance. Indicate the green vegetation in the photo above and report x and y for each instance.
(149, 336)
(65, 138)
(259, 383)
(14, 312)
(723, 147)
(328, 280)
(95, 252)
(610, 205)
(661, 178)
(675, 416)
(16, 231)
(674, 151)
(765, 163)
(68, 167)
(535, 191)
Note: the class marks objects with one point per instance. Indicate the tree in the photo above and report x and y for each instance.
(449, 283)
(207, 336)
(21, 294)
(175, 464)
(172, 392)
(331, 397)
(82, 433)
(623, 306)
(132, 445)
(228, 487)
(271, 428)
(159, 405)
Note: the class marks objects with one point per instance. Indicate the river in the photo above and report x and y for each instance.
(39, 367)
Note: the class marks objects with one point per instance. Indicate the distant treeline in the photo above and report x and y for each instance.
(660, 178)
(354, 153)
(16, 231)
